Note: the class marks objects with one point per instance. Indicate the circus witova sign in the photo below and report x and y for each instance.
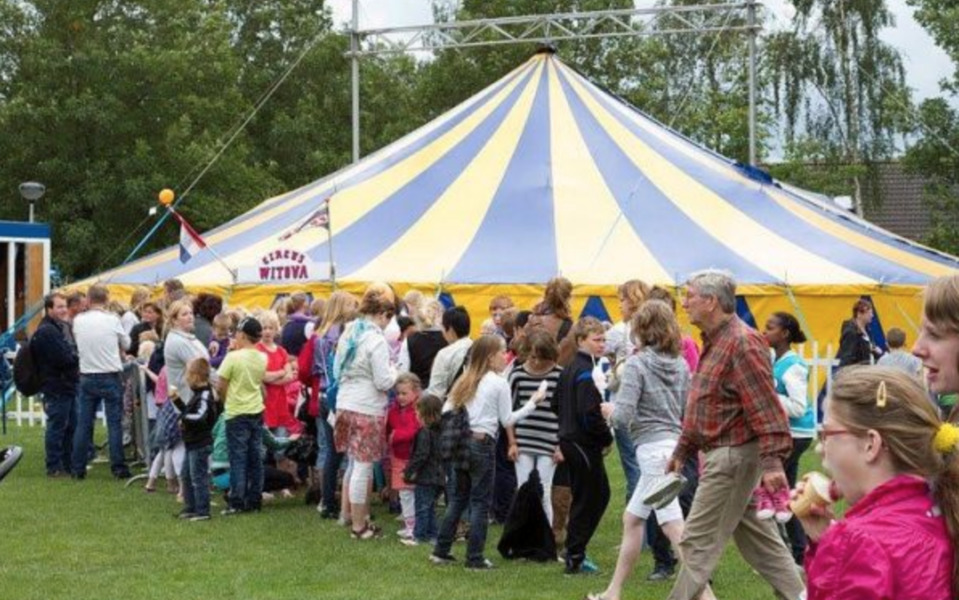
(282, 265)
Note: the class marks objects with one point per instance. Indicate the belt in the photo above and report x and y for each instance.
(481, 437)
(114, 374)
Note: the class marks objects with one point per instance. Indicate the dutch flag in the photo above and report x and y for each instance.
(190, 241)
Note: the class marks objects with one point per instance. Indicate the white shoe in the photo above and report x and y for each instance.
(405, 534)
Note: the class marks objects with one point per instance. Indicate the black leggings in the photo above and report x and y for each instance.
(797, 537)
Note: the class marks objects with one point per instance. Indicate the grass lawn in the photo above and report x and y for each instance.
(98, 540)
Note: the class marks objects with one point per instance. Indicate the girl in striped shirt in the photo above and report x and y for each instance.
(533, 440)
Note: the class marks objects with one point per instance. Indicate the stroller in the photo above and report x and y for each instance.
(9, 457)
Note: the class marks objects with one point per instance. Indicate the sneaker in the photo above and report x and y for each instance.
(186, 516)
(483, 565)
(662, 573)
(230, 511)
(781, 506)
(409, 542)
(439, 560)
(196, 518)
(764, 505)
(668, 490)
(589, 567)
(344, 521)
(405, 534)
(328, 515)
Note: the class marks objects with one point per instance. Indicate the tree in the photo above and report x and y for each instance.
(941, 20)
(108, 102)
(838, 87)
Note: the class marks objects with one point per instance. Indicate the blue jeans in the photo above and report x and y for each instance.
(471, 489)
(244, 439)
(627, 456)
(424, 499)
(108, 388)
(331, 467)
(61, 423)
(195, 478)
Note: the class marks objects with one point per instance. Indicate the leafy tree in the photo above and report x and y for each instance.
(839, 89)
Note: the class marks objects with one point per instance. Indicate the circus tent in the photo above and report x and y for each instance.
(544, 173)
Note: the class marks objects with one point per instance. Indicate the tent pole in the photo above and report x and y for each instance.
(355, 65)
(751, 9)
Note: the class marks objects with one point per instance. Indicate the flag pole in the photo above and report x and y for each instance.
(329, 242)
(233, 272)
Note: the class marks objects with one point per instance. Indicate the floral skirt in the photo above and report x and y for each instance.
(362, 437)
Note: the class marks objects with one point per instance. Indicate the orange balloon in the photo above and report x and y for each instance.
(166, 197)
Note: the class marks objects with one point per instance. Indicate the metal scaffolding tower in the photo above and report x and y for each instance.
(690, 19)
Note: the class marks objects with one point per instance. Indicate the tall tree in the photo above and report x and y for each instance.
(935, 157)
(839, 89)
(107, 102)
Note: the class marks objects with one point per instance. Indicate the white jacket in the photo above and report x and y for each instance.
(364, 382)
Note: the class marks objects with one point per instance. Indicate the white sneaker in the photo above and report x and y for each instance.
(405, 534)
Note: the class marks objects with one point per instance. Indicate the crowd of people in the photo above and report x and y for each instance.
(352, 396)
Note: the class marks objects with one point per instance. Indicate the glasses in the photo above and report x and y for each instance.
(825, 434)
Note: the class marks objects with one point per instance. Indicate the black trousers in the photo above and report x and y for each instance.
(797, 536)
(590, 489)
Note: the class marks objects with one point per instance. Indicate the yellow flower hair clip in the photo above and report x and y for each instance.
(947, 438)
(882, 396)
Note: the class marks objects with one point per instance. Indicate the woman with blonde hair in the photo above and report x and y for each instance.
(315, 362)
(649, 407)
(487, 399)
(897, 466)
(938, 342)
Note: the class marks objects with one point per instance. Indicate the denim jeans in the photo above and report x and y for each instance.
(331, 467)
(472, 488)
(196, 480)
(627, 457)
(61, 413)
(108, 388)
(244, 439)
(424, 498)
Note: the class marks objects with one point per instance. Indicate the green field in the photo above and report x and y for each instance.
(98, 540)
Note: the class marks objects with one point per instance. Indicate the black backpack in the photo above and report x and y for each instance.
(25, 374)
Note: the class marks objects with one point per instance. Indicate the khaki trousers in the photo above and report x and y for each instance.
(721, 510)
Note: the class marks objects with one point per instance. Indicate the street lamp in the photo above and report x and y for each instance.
(31, 191)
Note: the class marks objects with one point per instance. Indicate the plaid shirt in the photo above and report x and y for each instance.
(732, 400)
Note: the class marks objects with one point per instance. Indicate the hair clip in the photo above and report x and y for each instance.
(881, 395)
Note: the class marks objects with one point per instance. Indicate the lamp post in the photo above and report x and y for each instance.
(31, 191)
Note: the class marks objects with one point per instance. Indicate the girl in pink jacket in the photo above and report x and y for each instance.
(897, 466)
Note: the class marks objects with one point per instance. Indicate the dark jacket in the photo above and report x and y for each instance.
(135, 336)
(293, 335)
(855, 347)
(580, 418)
(197, 417)
(56, 358)
(423, 347)
(527, 533)
(424, 466)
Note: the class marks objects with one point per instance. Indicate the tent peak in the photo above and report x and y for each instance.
(546, 48)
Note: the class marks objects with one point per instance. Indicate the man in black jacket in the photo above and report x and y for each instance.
(55, 356)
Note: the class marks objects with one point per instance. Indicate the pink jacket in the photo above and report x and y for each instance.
(401, 422)
(892, 545)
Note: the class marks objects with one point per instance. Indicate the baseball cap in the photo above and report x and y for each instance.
(251, 328)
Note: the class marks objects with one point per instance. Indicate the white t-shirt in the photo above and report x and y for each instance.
(492, 404)
(100, 340)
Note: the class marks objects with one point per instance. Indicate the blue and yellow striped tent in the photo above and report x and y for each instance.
(544, 173)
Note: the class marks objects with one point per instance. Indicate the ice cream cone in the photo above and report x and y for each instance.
(816, 493)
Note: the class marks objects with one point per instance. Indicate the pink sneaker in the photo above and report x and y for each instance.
(764, 504)
(780, 502)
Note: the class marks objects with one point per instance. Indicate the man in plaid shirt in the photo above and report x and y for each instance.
(733, 416)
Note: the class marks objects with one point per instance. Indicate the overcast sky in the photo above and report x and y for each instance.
(925, 63)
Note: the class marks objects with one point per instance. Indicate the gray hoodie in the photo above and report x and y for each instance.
(652, 397)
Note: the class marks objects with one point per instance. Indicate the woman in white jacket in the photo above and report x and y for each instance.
(364, 374)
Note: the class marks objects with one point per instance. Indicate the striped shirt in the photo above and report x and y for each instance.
(539, 432)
